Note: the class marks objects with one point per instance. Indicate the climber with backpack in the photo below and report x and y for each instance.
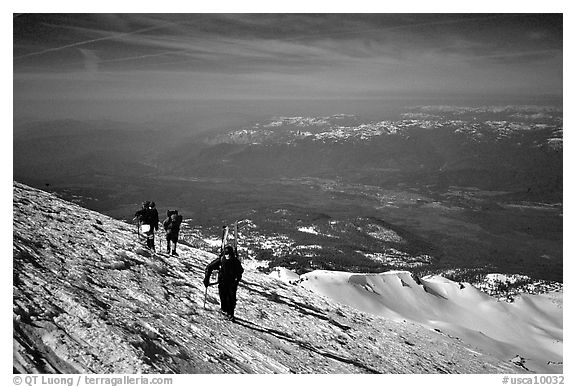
(229, 275)
(154, 220)
(147, 218)
(172, 228)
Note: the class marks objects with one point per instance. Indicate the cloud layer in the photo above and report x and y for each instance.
(244, 56)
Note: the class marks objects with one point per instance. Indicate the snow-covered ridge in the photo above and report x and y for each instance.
(512, 109)
(516, 119)
(530, 328)
(298, 121)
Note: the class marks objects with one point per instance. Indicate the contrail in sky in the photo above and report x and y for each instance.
(91, 41)
(129, 58)
(519, 53)
(399, 27)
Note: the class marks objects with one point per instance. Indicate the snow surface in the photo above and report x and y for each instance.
(284, 275)
(88, 298)
(254, 264)
(309, 230)
(530, 327)
(213, 242)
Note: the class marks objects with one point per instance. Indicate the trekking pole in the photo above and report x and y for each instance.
(236, 238)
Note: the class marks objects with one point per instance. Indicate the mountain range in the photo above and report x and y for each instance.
(509, 148)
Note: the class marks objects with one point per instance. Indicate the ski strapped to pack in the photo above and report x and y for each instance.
(224, 238)
(236, 239)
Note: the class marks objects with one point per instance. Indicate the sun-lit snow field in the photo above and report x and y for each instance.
(530, 327)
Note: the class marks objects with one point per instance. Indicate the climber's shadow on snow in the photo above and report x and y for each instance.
(267, 330)
(300, 307)
(303, 344)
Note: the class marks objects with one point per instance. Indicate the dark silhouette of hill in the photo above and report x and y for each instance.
(67, 150)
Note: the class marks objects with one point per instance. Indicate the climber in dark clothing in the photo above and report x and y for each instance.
(154, 216)
(142, 213)
(172, 227)
(147, 218)
(229, 275)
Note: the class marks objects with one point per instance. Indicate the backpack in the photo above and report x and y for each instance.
(173, 221)
(144, 216)
(230, 269)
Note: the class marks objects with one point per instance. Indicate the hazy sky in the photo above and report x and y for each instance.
(69, 62)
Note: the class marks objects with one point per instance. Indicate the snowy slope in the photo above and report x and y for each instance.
(88, 298)
(530, 327)
(284, 275)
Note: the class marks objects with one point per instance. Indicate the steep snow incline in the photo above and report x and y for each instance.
(530, 327)
(88, 298)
